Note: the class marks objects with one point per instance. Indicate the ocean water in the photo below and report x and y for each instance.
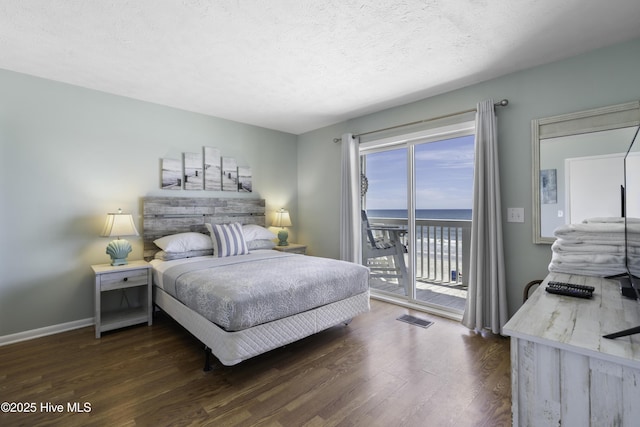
(460, 214)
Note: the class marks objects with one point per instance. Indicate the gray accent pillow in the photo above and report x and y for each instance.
(260, 244)
(168, 256)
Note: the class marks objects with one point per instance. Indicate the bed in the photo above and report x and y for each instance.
(245, 299)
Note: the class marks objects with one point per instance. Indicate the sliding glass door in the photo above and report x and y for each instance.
(419, 196)
(443, 174)
(385, 205)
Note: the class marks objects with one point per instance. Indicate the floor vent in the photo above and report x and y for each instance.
(412, 320)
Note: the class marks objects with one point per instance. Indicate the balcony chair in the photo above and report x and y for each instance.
(386, 243)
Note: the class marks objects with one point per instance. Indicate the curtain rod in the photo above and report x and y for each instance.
(502, 103)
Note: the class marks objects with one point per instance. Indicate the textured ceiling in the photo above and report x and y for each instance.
(297, 65)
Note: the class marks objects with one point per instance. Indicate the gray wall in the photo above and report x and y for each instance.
(70, 155)
(604, 77)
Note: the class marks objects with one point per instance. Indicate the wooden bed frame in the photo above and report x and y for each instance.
(163, 216)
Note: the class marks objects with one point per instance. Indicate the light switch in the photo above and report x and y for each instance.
(515, 214)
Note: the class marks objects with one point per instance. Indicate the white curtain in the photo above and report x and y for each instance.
(486, 306)
(350, 220)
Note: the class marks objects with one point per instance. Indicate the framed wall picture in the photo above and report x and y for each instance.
(171, 174)
(193, 175)
(229, 174)
(206, 170)
(549, 186)
(244, 180)
(212, 169)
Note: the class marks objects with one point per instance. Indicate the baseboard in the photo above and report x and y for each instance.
(47, 330)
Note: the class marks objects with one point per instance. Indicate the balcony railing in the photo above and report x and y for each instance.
(441, 247)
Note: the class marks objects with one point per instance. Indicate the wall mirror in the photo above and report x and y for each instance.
(578, 166)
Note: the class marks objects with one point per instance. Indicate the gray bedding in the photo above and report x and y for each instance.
(247, 290)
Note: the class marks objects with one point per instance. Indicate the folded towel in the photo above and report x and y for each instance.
(619, 241)
(596, 247)
(589, 259)
(614, 219)
(585, 270)
(605, 228)
(591, 271)
(599, 233)
(564, 246)
(593, 264)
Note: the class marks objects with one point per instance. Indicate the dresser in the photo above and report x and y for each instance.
(563, 372)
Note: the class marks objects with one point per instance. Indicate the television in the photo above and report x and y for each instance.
(629, 280)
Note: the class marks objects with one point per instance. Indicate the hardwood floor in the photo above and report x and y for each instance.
(375, 372)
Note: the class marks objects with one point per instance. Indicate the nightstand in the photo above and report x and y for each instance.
(292, 248)
(135, 274)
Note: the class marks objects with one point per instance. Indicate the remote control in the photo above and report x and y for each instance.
(570, 290)
(571, 285)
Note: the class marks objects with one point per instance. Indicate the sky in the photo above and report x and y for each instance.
(444, 176)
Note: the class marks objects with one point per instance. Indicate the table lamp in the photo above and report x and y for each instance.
(282, 220)
(118, 225)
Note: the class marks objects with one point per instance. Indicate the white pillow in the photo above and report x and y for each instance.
(256, 232)
(260, 244)
(227, 239)
(184, 242)
(169, 256)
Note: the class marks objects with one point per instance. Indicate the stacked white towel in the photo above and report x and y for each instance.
(596, 247)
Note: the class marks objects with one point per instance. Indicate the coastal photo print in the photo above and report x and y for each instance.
(244, 180)
(548, 186)
(229, 174)
(171, 174)
(212, 169)
(193, 176)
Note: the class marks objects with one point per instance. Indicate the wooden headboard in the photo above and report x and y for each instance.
(171, 215)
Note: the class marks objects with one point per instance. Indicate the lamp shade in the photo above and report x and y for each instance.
(119, 224)
(282, 219)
